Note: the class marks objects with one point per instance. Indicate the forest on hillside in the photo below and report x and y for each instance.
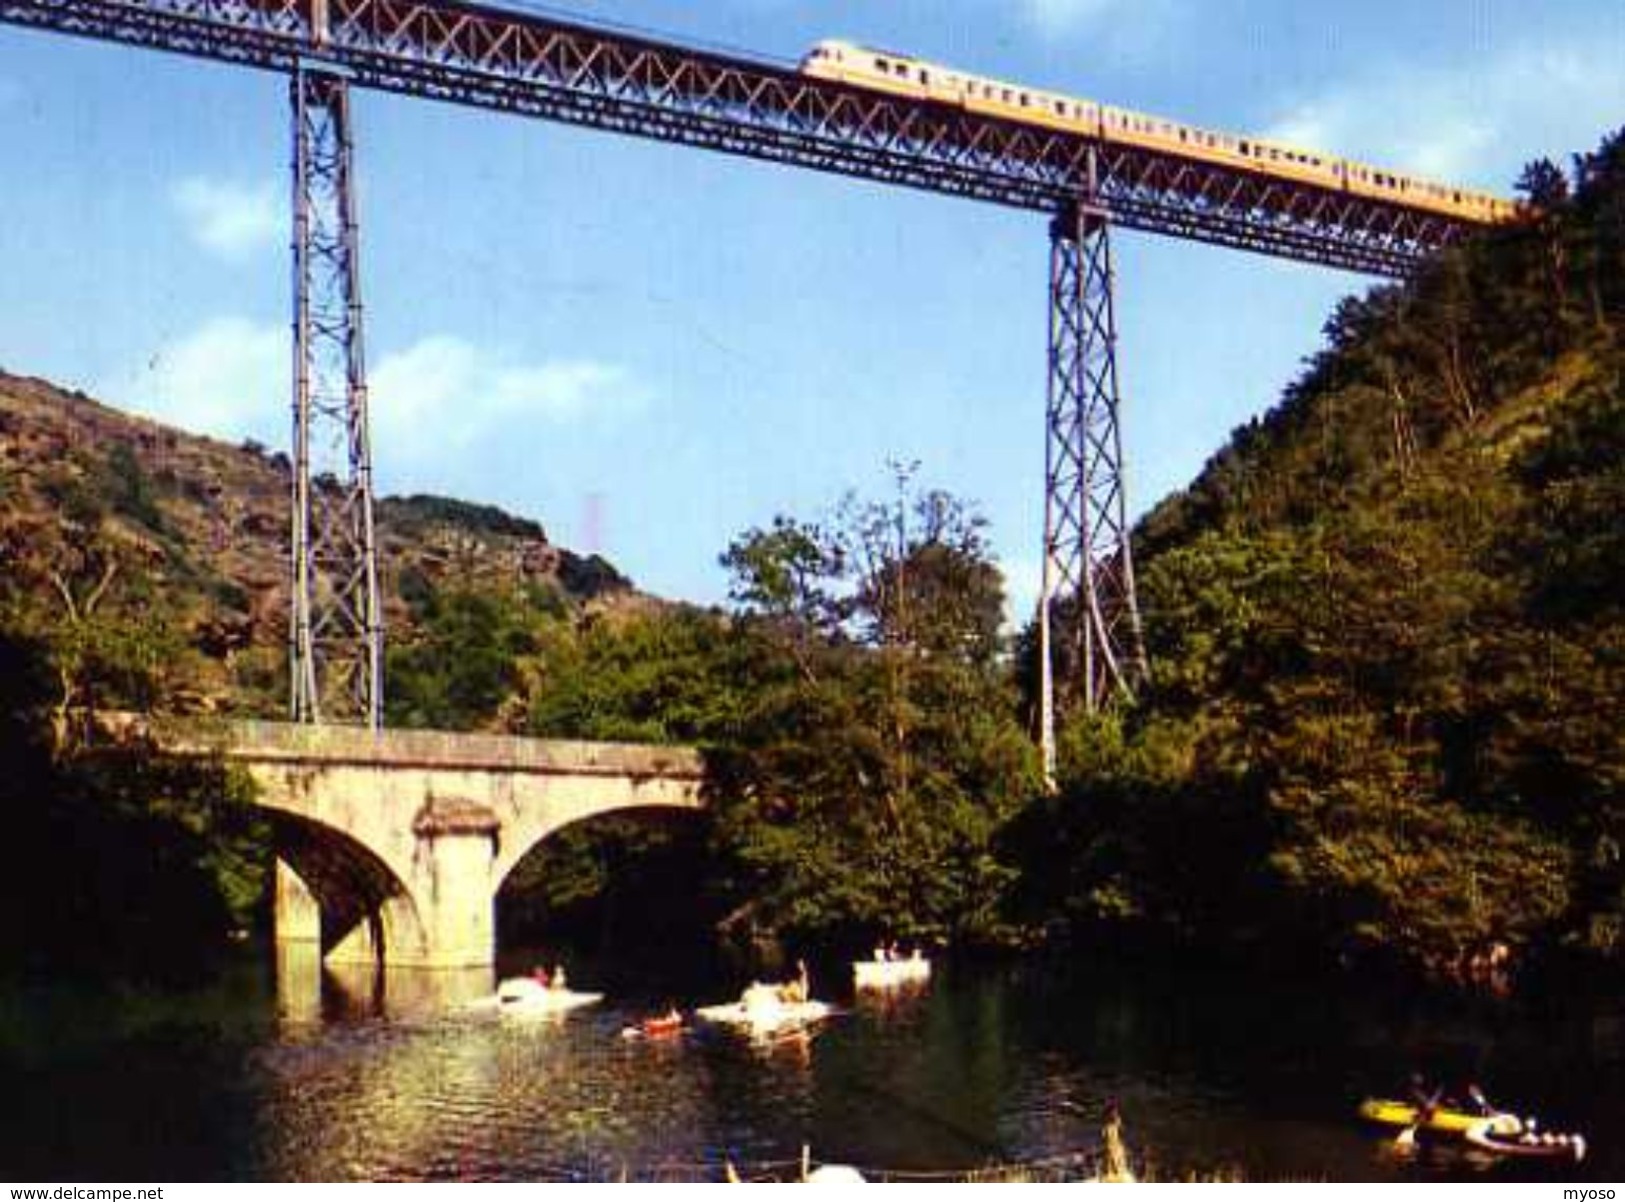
(1387, 650)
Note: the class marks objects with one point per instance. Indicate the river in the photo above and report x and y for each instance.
(268, 1075)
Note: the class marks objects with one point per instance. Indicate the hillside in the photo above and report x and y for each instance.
(203, 527)
(1387, 629)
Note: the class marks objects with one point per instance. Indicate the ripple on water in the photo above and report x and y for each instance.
(977, 1070)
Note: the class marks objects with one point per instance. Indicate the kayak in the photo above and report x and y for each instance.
(1444, 1121)
(655, 1028)
(1545, 1145)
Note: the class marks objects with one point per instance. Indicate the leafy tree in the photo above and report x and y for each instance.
(863, 794)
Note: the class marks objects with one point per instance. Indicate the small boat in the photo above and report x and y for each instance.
(527, 997)
(764, 1010)
(659, 1027)
(891, 974)
(1528, 1143)
(1387, 1112)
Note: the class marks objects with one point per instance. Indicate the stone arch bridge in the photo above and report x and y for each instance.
(392, 845)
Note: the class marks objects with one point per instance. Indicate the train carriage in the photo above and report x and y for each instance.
(904, 75)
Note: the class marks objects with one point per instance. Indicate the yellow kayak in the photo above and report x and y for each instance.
(1444, 1121)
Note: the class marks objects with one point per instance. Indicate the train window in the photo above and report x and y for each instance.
(1060, 107)
(1024, 100)
(1244, 149)
(925, 76)
(881, 63)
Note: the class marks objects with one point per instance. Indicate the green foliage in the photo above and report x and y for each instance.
(462, 661)
(128, 490)
(863, 791)
(674, 676)
(122, 864)
(420, 510)
(1386, 634)
(589, 576)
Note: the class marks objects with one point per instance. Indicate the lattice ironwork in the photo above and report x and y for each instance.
(335, 629)
(1089, 618)
(541, 67)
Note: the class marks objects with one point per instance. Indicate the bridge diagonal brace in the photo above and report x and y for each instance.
(336, 628)
(1089, 619)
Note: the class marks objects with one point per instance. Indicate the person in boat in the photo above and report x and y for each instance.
(666, 1023)
(1113, 1152)
(539, 975)
(558, 977)
(794, 992)
(1477, 1103)
(1424, 1100)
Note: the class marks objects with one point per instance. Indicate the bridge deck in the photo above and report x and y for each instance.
(563, 71)
(287, 742)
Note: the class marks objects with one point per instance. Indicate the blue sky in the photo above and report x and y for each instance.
(684, 344)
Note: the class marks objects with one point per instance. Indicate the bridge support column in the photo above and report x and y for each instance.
(1089, 620)
(297, 917)
(455, 883)
(335, 630)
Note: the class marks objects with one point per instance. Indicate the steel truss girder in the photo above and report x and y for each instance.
(1088, 586)
(541, 67)
(335, 630)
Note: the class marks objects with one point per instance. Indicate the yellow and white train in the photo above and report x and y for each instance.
(884, 71)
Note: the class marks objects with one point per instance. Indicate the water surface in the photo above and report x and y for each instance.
(270, 1075)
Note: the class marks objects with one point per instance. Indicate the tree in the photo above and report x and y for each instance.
(862, 795)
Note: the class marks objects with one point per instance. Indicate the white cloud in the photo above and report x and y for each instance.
(1476, 124)
(1063, 16)
(229, 378)
(230, 219)
(441, 396)
(445, 393)
(1023, 581)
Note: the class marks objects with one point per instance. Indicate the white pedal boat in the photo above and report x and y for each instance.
(524, 997)
(891, 974)
(761, 1010)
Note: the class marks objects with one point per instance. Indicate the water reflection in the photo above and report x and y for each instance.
(346, 1075)
(307, 989)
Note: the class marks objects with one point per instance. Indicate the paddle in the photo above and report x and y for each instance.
(1405, 1141)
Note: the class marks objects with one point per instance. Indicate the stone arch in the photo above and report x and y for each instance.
(517, 850)
(366, 911)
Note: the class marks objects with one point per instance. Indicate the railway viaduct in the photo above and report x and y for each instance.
(395, 843)
(392, 845)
